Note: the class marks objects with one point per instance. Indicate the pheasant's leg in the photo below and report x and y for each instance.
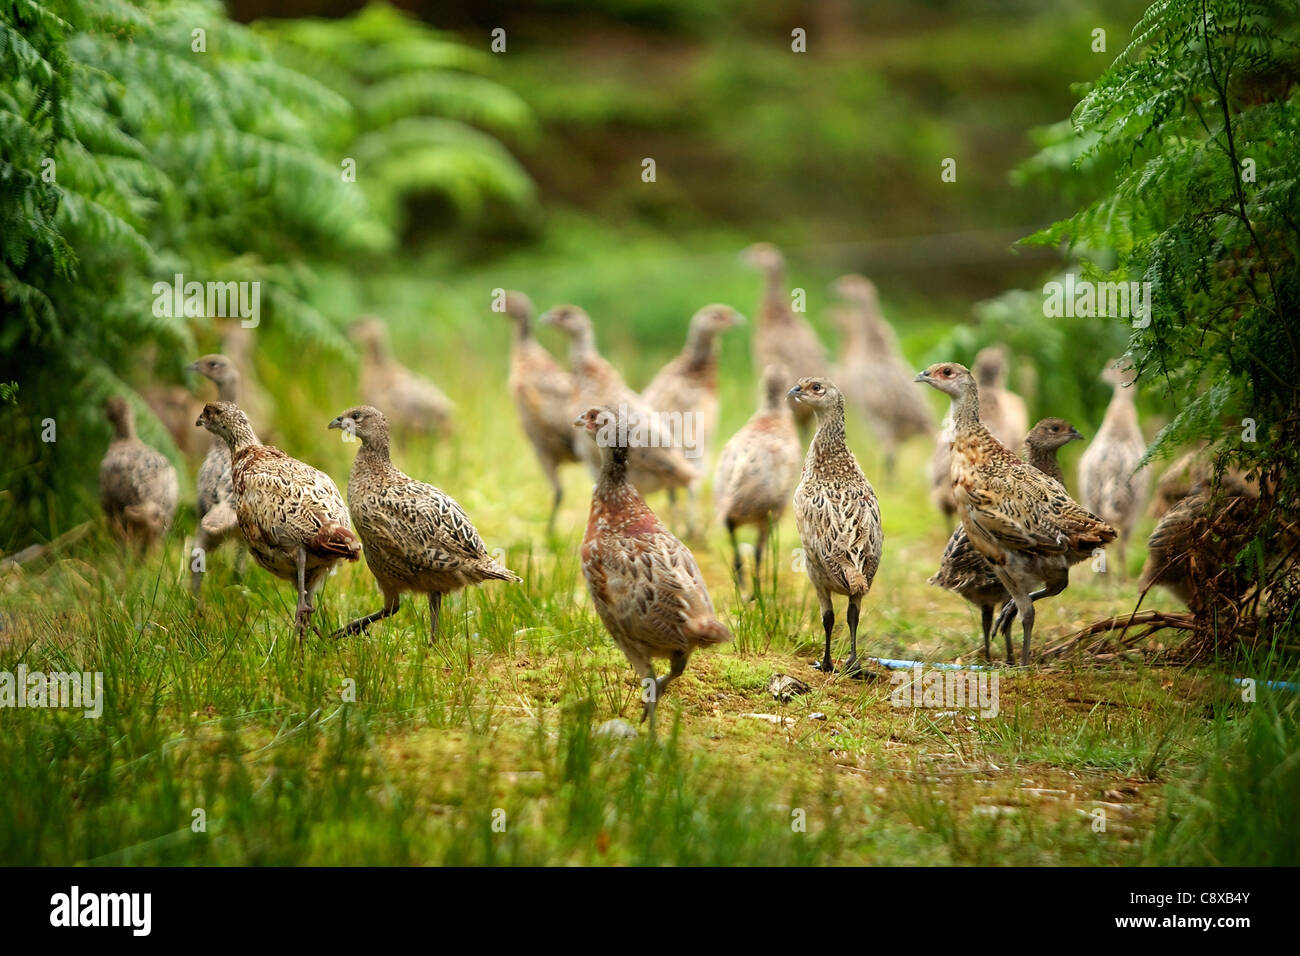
(986, 625)
(435, 605)
(361, 623)
(890, 460)
(764, 532)
(203, 542)
(1006, 635)
(737, 566)
(649, 684)
(828, 625)
(851, 665)
(1027, 622)
(678, 665)
(557, 495)
(692, 509)
(303, 611)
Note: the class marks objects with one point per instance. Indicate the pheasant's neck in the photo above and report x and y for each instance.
(241, 438)
(123, 431)
(583, 345)
(374, 455)
(523, 332)
(1122, 411)
(1044, 459)
(702, 352)
(613, 473)
(829, 442)
(966, 412)
(774, 292)
(228, 391)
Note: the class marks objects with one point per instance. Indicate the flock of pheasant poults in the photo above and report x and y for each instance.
(1019, 531)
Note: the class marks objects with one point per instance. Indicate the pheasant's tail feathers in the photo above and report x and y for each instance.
(707, 630)
(496, 572)
(220, 519)
(337, 540)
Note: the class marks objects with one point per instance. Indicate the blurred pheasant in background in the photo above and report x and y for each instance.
(966, 572)
(416, 405)
(782, 337)
(688, 386)
(1109, 480)
(653, 464)
(138, 489)
(874, 376)
(1002, 412)
(1023, 522)
(416, 537)
(291, 515)
(545, 398)
(644, 583)
(758, 469)
(238, 344)
(214, 486)
(837, 514)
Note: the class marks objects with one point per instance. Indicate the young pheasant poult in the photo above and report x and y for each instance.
(1110, 482)
(291, 515)
(1020, 520)
(214, 486)
(781, 337)
(965, 571)
(416, 405)
(872, 373)
(545, 398)
(645, 584)
(416, 537)
(838, 516)
(138, 489)
(758, 469)
(653, 463)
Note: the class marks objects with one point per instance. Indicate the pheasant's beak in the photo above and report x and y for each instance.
(337, 423)
(1075, 435)
(922, 376)
(796, 393)
(579, 422)
(192, 367)
(199, 423)
(738, 319)
(547, 318)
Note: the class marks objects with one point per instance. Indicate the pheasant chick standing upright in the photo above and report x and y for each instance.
(645, 584)
(216, 491)
(137, 484)
(1020, 520)
(291, 515)
(1110, 481)
(837, 514)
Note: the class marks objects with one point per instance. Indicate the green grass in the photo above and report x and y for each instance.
(216, 710)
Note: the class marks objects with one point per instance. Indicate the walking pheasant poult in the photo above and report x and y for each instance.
(837, 514)
(291, 515)
(1020, 520)
(416, 405)
(214, 487)
(966, 572)
(544, 396)
(138, 489)
(645, 584)
(1110, 482)
(758, 469)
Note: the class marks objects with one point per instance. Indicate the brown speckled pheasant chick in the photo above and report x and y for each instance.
(545, 398)
(781, 337)
(655, 461)
(137, 484)
(291, 515)
(874, 376)
(966, 572)
(1020, 520)
(216, 492)
(838, 516)
(644, 583)
(416, 537)
(758, 469)
(416, 405)
(1110, 482)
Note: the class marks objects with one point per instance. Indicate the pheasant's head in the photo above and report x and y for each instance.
(371, 334)
(773, 388)
(714, 319)
(816, 393)
(1119, 372)
(227, 421)
(763, 256)
(948, 377)
(365, 422)
(119, 412)
(218, 368)
(518, 307)
(990, 368)
(569, 319)
(602, 425)
(857, 289)
(1051, 434)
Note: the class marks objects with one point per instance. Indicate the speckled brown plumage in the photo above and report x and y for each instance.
(781, 336)
(214, 485)
(292, 516)
(758, 469)
(1003, 413)
(1021, 521)
(874, 376)
(965, 571)
(545, 398)
(1110, 482)
(651, 467)
(838, 516)
(644, 583)
(414, 404)
(137, 484)
(416, 537)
